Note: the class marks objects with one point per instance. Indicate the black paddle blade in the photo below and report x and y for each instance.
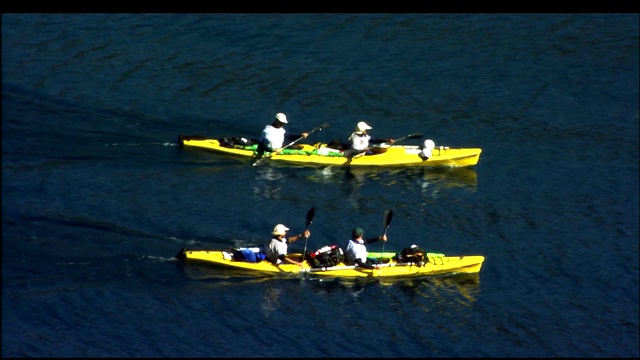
(310, 214)
(319, 128)
(388, 215)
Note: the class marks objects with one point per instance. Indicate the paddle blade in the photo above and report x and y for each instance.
(310, 214)
(388, 215)
(319, 128)
(259, 162)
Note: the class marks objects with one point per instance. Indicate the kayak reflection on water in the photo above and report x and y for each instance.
(444, 177)
(268, 182)
(464, 287)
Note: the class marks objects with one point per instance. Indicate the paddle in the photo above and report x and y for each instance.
(410, 136)
(310, 214)
(386, 221)
(382, 149)
(317, 128)
(350, 153)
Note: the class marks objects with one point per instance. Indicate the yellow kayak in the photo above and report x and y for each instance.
(433, 265)
(319, 154)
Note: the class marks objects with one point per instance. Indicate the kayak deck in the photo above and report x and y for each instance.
(433, 265)
(389, 155)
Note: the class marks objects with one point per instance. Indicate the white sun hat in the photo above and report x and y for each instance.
(281, 117)
(280, 229)
(362, 127)
(427, 150)
(429, 144)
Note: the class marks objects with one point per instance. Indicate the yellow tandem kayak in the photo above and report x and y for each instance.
(437, 264)
(318, 154)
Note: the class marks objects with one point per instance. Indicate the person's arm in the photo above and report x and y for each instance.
(380, 141)
(292, 138)
(286, 258)
(263, 144)
(382, 237)
(294, 238)
(365, 265)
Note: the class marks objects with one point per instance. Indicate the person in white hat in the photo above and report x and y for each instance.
(360, 139)
(427, 149)
(273, 136)
(276, 249)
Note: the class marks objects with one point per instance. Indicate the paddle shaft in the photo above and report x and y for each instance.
(318, 128)
(310, 214)
(410, 136)
(355, 267)
(351, 153)
(386, 221)
(346, 267)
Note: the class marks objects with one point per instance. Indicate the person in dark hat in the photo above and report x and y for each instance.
(356, 251)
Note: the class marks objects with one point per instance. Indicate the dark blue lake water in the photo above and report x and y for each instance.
(97, 197)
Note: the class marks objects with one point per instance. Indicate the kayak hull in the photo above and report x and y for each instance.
(307, 154)
(433, 265)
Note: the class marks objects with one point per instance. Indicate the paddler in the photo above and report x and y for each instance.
(276, 249)
(273, 136)
(356, 250)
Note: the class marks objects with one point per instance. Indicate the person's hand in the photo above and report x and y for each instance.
(383, 237)
(304, 135)
(306, 233)
(390, 141)
(278, 150)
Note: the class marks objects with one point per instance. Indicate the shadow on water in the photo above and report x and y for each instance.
(222, 276)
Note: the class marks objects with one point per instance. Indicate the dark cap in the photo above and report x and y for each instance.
(357, 232)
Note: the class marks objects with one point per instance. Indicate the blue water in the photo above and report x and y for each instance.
(97, 197)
